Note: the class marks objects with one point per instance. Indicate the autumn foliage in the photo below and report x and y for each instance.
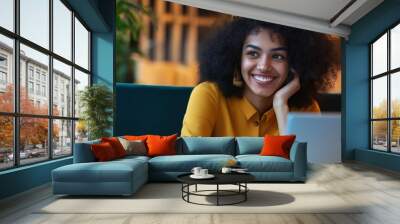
(33, 131)
(380, 127)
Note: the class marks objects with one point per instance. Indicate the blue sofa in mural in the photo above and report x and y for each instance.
(125, 176)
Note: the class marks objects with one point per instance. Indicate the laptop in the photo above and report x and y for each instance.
(322, 132)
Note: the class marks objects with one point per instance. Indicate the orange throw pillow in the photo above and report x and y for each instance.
(134, 137)
(277, 145)
(103, 151)
(161, 145)
(116, 145)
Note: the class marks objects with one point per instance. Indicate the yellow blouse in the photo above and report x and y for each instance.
(209, 113)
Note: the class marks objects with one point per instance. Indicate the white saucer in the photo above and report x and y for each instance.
(208, 176)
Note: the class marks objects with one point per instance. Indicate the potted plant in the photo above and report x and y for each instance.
(96, 104)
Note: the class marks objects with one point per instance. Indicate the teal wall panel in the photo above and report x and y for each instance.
(24, 178)
(356, 86)
(102, 58)
(356, 99)
(379, 159)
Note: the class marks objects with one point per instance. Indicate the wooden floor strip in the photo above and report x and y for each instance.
(377, 188)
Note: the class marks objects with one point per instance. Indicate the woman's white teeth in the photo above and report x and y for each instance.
(262, 78)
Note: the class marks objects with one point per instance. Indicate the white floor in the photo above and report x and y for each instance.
(378, 189)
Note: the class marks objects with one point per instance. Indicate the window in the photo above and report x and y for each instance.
(43, 90)
(38, 89)
(3, 78)
(7, 85)
(30, 72)
(30, 87)
(62, 30)
(34, 25)
(54, 125)
(7, 14)
(3, 61)
(81, 45)
(385, 94)
(62, 75)
(37, 75)
(3, 72)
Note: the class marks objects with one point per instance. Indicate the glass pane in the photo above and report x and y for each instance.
(395, 136)
(379, 97)
(62, 29)
(62, 89)
(6, 142)
(379, 55)
(35, 21)
(395, 47)
(379, 135)
(33, 139)
(62, 138)
(81, 81)
(34, 97)
(81, 131)
(6, 74)
(7, 14)
(81, 45)
(395, 94)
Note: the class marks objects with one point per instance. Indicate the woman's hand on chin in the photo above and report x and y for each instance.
(282, 96)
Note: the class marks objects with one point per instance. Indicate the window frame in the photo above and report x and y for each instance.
(388, 74)
(16, 115)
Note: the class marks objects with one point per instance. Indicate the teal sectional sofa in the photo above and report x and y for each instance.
(125, 176)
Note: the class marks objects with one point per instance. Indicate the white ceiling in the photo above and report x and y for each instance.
(315, 15)
(320, 9)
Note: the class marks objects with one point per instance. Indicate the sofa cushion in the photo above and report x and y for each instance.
(277, 145)
(249, 145)
(116, 145)
(136, 137)
(118, 171)
(135, 147)
(185, 163)
(161, 145)
(257, 163)
(103, 151)
(206, 145)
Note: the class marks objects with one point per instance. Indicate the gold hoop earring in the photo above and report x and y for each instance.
(237, 79)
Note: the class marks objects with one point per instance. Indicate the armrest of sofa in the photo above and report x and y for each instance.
(298, 154)
(83, 152)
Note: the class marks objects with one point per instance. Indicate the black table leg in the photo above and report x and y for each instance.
(217, 194)
(185, 188)
(182, 190)
(245, 193)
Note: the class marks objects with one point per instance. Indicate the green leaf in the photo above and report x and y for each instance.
(128, 29)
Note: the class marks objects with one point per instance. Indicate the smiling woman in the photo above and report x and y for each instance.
(253, 73)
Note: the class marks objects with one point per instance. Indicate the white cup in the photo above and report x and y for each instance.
(226, 170)
(203, 172)
(196, 170)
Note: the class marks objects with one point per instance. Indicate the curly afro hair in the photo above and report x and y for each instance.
(312, 55)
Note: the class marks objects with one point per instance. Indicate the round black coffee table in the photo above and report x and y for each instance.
(238, 179)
